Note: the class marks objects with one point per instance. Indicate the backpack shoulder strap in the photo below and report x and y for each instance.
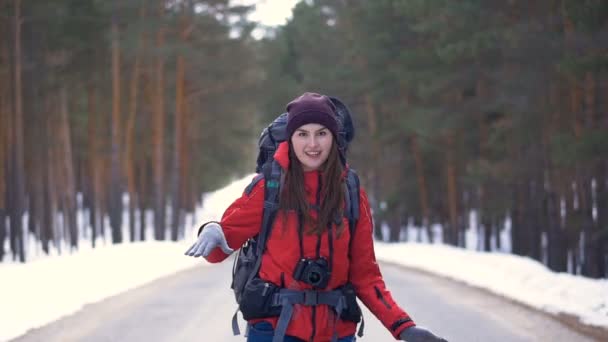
(352, 213)
(352, 200)
(253, 183)
(271, 172)
(352, 205)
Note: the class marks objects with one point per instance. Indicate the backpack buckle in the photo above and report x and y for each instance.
(311, 297)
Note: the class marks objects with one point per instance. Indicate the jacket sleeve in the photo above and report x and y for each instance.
(241, 221)
(366, 277)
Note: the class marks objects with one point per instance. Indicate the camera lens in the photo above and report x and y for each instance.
(312, 272)
(314, 278)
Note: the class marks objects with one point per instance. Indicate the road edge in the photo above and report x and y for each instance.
(595, 332)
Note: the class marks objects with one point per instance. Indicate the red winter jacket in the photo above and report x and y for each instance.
(243, 220)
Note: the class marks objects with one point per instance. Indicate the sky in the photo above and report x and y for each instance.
(269, 12)
(25, 304)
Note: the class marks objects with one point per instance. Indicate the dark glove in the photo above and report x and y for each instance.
(211, 237)
(419, 334)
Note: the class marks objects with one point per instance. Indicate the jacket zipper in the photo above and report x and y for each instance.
(381, 297)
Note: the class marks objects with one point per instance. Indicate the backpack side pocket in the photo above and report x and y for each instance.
(257, 300)
(352, 313)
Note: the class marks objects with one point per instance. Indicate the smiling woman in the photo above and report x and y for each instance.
(312, 227)
(311, 143)
(312, 125)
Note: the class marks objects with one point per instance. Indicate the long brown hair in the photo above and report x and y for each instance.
(293, 194)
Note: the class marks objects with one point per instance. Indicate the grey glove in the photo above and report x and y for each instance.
(419, 334)
(211, 237)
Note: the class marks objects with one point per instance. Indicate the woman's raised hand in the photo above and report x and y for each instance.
(211, 237)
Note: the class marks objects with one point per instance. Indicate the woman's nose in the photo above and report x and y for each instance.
(313, 141)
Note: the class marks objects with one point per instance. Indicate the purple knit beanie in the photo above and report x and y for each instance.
(311, 108)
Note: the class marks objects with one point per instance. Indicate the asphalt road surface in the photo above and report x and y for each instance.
(197, 305)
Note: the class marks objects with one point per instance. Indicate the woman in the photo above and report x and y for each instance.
(306, 229)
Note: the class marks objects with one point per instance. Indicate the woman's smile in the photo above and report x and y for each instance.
(312, 144)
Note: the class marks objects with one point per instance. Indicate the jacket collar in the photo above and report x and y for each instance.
(281, 155)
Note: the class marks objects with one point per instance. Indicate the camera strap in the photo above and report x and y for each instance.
(330, 239)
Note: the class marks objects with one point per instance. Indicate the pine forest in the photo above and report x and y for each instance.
(124, 112)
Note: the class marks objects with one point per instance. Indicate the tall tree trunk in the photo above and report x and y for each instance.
(46, 221)
(485, 215)
(36, 176)
(130, 162)
(562, 180)
(185, 189)
(601, 179)
(67, 169)
(592, 232)
(452, 192)
(601, 223)
(574, 215)
(394, 224)
(49, 208)
(180, 163)
(17, 195)
(115, 203)
(54, 175)
(498, 225)
(57, 163)
(146, 173)
(584, 219)
(178, 150)
(143, 193)
(517, 210)
(159, 142)
(556, 246)
(95, 164)
(91, 125)
(372, 122)
(5, 124)
(422, 187)
(533, 210)
(556, 249)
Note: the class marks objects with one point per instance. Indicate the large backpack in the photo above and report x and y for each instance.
(248, 260)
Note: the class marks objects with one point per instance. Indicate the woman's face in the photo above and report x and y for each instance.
(312, 143)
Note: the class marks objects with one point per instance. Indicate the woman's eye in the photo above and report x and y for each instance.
(302, 134)
(322, 133)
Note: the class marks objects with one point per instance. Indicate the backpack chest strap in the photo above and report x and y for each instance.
(288, 298)
(309, 298)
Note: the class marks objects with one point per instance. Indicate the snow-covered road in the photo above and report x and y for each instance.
(196, 305)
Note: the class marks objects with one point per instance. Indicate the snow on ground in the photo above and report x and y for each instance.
(41, 291)
(522, 279)
(46, 289)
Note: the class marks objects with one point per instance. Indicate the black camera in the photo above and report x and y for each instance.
(314, 272)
